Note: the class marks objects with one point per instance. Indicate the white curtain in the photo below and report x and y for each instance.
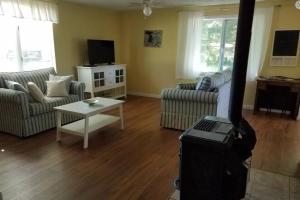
(261, 28)
(30, 9)
(189, 45)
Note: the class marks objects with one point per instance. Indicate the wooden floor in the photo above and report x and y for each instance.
(278, 143)
(138, 163)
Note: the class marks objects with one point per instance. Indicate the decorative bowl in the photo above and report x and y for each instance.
(91, 102)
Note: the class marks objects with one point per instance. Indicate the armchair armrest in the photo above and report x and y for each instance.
(77, 88)
(189, 95)
(186, 86)
(14, 103)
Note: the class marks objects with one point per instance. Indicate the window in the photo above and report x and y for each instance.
(25, 45)
(218, 44)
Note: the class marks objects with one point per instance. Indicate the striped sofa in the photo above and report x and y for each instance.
(22, 118)
(182, 106)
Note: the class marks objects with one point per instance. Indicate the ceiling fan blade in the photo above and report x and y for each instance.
(135, 4)
(152, 3)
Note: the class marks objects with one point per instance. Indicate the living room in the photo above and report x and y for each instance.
(139, 160)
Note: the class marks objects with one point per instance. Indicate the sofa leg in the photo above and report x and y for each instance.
(58, 132)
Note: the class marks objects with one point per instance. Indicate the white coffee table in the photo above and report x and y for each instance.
(93, 119)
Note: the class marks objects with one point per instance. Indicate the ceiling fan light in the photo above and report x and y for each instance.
(297, 4)
(147, 11)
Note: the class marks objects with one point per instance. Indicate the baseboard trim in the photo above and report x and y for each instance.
(251, 107)
(143, 94)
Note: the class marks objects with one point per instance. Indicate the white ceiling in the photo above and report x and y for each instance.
(125, 4)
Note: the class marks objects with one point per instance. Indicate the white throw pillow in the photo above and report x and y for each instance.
(56, 89)
(35, 92)
(67, 80)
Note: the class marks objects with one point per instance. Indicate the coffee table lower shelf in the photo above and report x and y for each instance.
(95, 122)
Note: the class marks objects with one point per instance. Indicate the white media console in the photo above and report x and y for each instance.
(108, 80)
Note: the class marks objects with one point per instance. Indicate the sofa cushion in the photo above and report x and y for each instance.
(204, 84)
(212, 81)
(17, 86)
(220, 78)
(217, 80)
(227, 74)
(37, 76)
(35, 92)
(56, 89)
(66, 79)
(50, 102)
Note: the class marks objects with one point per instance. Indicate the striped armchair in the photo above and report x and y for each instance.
(182, 106)
(23, 118)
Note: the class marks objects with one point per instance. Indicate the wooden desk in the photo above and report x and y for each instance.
(278, 94)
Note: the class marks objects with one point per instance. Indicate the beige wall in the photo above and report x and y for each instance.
(285, 17)
(149, 69)
(77, 24)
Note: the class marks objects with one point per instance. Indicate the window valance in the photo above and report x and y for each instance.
(30, 9)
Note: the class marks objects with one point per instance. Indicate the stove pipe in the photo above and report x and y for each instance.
(239, 71)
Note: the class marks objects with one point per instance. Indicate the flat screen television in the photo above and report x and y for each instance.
(286, 43)
(101, 52)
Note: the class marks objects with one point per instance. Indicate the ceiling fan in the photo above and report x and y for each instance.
(147, 6)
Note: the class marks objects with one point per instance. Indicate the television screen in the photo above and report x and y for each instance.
(286, 43)
(101, 52)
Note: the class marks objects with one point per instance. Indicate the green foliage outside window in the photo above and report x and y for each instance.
(218, 43)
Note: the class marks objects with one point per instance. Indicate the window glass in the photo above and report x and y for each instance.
(28, 45)
(229, 46)
(9, 58)
(218, 44)
(36, 46)
(210, 44)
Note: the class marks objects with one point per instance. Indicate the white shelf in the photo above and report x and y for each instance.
(95, 122)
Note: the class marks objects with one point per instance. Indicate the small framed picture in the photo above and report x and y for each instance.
(153, 38)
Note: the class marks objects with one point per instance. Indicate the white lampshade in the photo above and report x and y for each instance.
(147, 10)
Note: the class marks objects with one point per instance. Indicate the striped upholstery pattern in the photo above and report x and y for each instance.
(189, 95)
(23, 119)
(181, 107)
(78, 89)
(13, 104)
(39, 108)
(186, 86)
(38, 77)
(205, 84)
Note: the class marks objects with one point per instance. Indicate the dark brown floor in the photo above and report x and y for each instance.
(278, 143)
(138, 163)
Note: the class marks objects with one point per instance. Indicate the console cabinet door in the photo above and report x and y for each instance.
(110, 76)
(119, 75)
(98, 79)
